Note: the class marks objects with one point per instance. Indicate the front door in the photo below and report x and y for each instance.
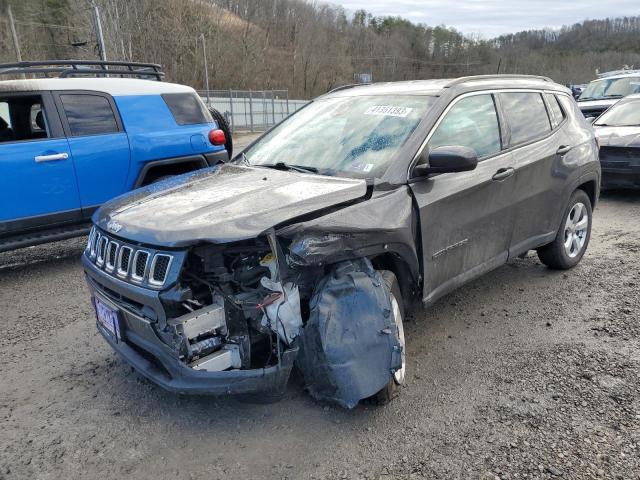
(466, 218)
(37, 178)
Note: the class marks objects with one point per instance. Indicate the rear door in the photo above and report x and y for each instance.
(538, 144)
(98, 143)
(37, 178)
(466, 218)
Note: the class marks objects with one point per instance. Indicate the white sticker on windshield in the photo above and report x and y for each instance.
(388, 110)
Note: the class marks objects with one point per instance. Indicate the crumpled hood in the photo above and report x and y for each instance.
(221, 204)
(619, 136)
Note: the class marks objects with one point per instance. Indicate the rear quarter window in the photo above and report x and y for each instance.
(557, 114)
(526, 115)
(89, 114)
(187, 108)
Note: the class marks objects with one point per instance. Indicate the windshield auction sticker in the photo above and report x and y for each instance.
(388, 111)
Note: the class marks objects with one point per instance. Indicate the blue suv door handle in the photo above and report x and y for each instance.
(51, 158)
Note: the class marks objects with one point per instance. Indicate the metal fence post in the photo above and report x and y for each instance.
(265, 117)
(251, 108)
(287, 103)
(273, 108)
(233, 130)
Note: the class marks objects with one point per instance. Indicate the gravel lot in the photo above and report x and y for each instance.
(524, 373)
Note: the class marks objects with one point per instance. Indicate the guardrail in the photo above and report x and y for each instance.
(252, 110)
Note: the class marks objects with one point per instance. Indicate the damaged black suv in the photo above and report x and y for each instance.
(306, 248)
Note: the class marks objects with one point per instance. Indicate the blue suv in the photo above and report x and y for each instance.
(94, 131)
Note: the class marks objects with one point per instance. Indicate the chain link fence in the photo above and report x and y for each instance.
(252, 110)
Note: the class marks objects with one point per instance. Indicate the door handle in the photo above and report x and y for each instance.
(563, 150)
(51, 158)
(503, 173)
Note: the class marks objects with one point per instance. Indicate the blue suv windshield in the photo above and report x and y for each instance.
(352, 136)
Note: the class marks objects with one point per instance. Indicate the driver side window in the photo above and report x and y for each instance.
(473, 123)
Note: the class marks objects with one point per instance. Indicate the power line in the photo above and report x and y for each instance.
(51, 25)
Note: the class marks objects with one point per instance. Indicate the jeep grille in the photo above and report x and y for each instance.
(129, 262)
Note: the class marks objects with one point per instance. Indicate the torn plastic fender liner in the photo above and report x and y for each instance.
(384, 223)
(347, 349)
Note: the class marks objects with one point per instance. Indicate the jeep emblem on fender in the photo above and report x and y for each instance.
(114, 226)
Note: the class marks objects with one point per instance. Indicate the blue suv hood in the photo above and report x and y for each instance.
(221, 204)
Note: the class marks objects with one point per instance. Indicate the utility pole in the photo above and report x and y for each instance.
(14, 34)
(103, 53)
(206, 69)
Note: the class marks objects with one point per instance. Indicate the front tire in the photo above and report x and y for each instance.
(573, 236)
(392, 389)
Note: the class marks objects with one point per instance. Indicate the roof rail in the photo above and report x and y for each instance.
(84, 68)
(496, 77)
(623, 71)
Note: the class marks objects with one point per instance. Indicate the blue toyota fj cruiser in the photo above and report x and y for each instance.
(97, 130)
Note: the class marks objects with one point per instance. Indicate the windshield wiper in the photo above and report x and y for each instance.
(287, 166)
(613, 96)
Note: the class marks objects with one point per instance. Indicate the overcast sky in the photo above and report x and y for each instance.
(491, 18)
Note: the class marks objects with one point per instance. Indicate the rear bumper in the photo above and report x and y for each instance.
(141, 348)
(618, 176)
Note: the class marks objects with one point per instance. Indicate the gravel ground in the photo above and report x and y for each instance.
(524, 373)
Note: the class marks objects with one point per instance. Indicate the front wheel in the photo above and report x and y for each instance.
(573, 236)
(391, 390)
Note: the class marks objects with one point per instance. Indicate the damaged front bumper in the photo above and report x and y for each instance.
(139, 345)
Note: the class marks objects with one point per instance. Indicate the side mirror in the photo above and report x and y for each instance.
(447, 159)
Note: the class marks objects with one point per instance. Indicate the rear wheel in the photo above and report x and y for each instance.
(224, 126)
(573, 236)
(391, 390)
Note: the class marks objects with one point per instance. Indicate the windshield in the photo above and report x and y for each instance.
(625, 114)
(346, 136)
(610, 88)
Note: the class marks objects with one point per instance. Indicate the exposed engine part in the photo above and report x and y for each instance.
(282, 315)
(232, 299)
(205, 320)
(229, 357)
(205, 346)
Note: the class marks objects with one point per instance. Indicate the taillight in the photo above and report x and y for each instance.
(216, 137)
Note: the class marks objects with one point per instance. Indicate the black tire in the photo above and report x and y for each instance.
(224, 126)
(555, 255)
(392, 389)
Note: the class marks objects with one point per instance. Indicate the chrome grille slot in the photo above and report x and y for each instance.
(112, 255)
(102, 250)
(140, 261)
(159, 269)
(94, 243)
(124, 261)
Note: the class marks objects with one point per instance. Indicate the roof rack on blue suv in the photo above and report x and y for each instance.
(75, 134)
(76, 68)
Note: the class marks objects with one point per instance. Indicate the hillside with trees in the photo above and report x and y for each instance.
(306, 47)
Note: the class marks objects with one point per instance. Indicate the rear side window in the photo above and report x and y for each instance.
(557, 114)
(88, 114)
(526, 115)
(187, 108)
(473, 123)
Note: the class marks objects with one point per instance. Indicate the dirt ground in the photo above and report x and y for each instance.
(524, 373)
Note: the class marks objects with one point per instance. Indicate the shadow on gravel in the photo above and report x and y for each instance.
(52, 253)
